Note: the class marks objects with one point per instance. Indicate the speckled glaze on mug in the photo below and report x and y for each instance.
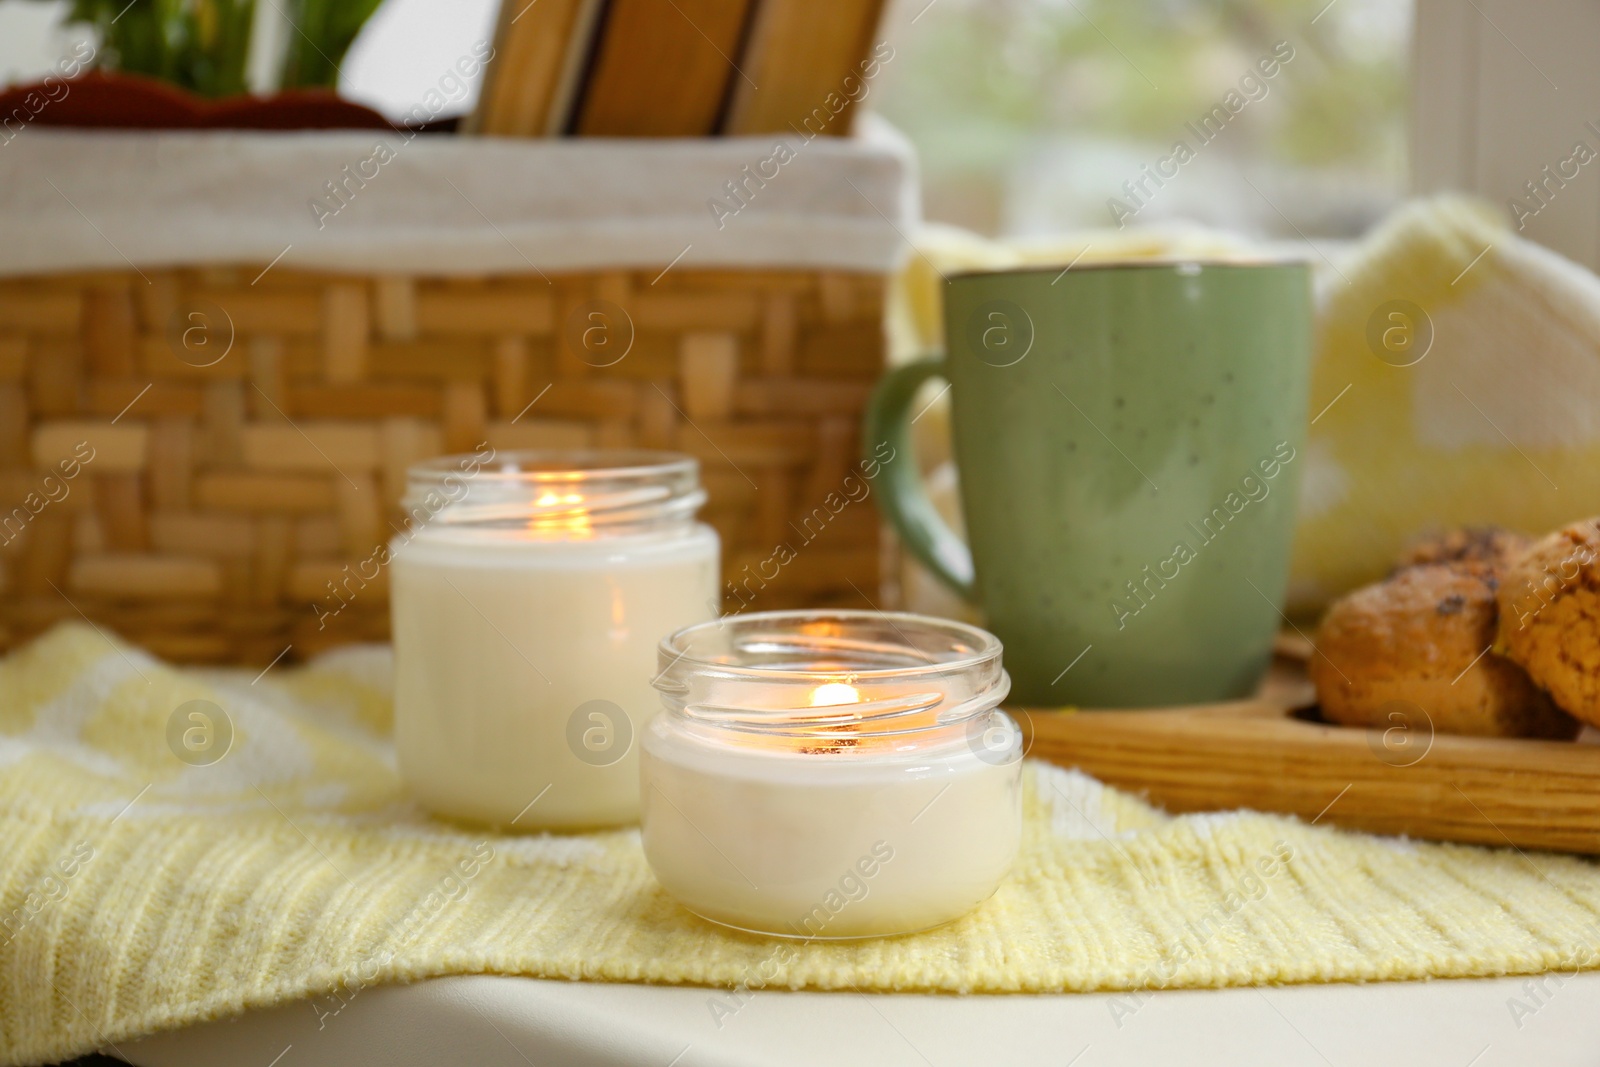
(1130, 439)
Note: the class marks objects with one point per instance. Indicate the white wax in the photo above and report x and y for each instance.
(827, 845)
(499, 638)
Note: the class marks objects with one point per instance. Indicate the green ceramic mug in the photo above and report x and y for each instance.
(1129, 439)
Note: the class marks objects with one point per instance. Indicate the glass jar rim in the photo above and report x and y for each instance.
(832, 678)
(985, 647)
(578, 491)
(550, 464)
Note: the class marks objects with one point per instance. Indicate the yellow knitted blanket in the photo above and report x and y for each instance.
(164, 862)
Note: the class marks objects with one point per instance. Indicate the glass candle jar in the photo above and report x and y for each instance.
(831, 774)
(530, 591)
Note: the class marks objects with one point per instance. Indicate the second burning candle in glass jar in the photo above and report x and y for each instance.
(528, 600)
(831, 774)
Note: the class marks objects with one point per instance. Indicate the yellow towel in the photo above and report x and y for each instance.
(140, 891)
(1457, 381)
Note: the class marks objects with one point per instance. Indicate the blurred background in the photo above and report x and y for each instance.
(1028, 115)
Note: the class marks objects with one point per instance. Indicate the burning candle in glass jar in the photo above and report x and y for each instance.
(831, 774)
(529, 594)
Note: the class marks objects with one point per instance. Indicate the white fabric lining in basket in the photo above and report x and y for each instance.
(446, 205)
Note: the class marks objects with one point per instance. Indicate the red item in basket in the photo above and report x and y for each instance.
(130, 101)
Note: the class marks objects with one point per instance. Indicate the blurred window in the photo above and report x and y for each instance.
(1035, 116)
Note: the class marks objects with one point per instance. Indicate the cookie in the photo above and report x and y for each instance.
(1418, 640)
(1494, 546)
(1550, 616)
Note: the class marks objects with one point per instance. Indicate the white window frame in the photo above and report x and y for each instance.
(1502, 90)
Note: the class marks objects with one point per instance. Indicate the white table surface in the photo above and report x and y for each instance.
(518, 1022)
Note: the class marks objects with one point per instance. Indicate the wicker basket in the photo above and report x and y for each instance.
(250, 431)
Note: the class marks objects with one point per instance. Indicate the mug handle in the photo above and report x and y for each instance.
(904, 500)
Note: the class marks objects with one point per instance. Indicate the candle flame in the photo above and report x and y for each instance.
(833, 694)
(574, 521)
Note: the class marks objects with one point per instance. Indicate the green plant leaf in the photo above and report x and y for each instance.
(204, 45)
(201, 45)
(325, 31)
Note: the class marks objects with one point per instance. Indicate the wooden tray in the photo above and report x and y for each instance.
(1273, 754)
